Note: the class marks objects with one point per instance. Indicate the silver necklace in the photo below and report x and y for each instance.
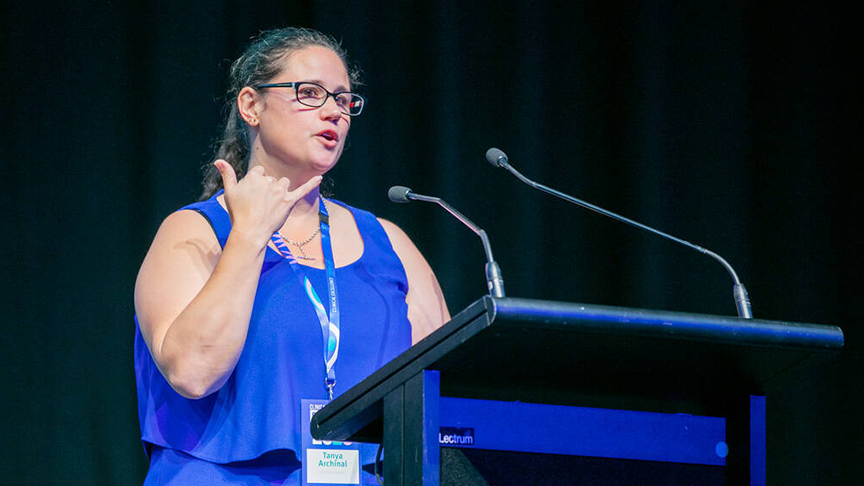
(300, 244)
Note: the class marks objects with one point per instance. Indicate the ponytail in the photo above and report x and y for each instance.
(233, 148)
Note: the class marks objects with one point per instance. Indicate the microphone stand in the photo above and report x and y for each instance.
(742, 301)
(494, 279)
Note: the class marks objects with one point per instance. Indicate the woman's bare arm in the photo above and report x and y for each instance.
(427, 309)
(194, 299)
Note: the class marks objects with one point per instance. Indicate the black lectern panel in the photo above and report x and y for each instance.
(574, 354)
(520, 350)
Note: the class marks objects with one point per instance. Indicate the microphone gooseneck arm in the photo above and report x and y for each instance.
(742, 302)
(494, 279)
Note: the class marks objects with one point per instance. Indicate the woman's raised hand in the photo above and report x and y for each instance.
(259, 204)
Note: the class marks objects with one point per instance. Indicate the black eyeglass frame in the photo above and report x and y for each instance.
(296, 85)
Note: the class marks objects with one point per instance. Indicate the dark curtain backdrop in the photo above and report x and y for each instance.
(733, 125)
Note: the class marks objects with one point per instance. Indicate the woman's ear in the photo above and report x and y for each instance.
(249, 104)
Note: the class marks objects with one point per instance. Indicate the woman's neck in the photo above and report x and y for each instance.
(306, 206)
(278, 169)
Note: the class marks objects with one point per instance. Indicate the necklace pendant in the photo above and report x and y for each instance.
(304, 257)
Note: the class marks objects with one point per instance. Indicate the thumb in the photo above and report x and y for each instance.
(229, 178)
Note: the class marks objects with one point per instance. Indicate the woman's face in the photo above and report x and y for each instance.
(305, 138)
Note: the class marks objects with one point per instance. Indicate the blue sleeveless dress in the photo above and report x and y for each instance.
(248, 432)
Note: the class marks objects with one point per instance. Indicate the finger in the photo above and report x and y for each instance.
(284, 182)
(258, 169)
(270, 179)
(229, 178)
(304, 189)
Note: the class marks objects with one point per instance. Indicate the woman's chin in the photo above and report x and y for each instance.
(324, 164)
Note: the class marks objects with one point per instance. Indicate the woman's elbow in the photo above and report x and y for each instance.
(191, 385)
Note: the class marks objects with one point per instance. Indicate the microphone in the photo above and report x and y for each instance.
(494, 280)
(742, 302)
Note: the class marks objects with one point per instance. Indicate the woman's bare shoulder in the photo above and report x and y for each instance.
(181, 258)
(186, 231)
(427, 309)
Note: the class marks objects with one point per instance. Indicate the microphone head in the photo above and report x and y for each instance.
(496, 157)
(399, 194)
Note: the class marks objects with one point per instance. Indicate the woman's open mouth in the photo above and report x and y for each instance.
(330, 137)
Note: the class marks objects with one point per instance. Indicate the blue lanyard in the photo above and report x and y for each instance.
(329, 326)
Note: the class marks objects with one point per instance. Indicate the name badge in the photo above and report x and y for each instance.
(326, 462)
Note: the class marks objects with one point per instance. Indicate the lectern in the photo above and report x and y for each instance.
(640, 386)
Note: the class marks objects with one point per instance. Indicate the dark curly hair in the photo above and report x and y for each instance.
(261, 62)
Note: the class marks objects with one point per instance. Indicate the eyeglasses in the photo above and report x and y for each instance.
(315, 95)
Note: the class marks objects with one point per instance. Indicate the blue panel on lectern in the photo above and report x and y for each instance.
(593, 432)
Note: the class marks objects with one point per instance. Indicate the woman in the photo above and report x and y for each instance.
(230, 319)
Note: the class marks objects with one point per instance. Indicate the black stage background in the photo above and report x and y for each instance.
(730, 124)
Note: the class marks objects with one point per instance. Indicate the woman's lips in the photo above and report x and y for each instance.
(329, 138)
